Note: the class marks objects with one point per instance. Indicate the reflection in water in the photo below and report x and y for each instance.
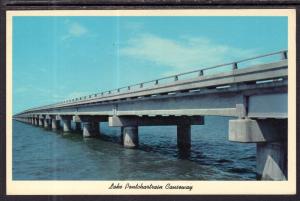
(184, 153)
(44, 154)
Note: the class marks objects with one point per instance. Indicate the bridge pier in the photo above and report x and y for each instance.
(66, 125)
(90, 124)
(129, 127)
(130, 136)
(270, 136)
(184, 136)
(36, 123)
(271, 161)
(46, 123)
(90, 129)
(66, 121)
(54, 123)
(41, 121)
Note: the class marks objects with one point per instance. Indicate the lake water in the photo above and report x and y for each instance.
(40, 154)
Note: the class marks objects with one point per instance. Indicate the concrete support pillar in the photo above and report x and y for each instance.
(41, 122)
(46, 123)
(184, 136)
(54, 124)
(36, 122)
(90, 129)
(129, 125)
(271, 161)
(130, 136)
(66, 125)
(270, 136)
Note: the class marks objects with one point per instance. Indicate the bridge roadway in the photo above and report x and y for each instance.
(256, 96)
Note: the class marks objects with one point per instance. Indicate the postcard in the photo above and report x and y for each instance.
(151, 102)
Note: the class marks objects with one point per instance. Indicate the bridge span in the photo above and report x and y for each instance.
(255, 95)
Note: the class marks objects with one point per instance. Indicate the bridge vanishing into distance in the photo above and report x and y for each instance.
(256, 95)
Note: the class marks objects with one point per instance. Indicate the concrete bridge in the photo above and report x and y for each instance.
(256, 96)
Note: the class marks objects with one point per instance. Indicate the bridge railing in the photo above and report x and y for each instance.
(168, 79)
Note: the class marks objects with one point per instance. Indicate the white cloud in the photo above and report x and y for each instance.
(74, 30)
(182, 55)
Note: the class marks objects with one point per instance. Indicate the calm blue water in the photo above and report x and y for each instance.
(40, 154)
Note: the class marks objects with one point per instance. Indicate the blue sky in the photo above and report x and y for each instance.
(56, 58)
